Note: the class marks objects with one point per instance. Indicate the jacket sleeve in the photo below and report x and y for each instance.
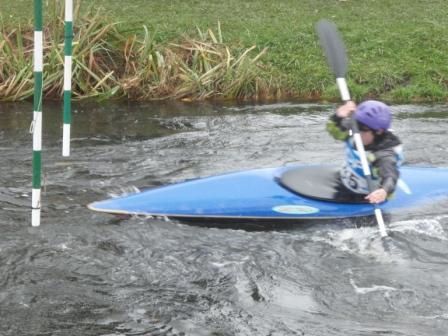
(338, 127)
(386, 163)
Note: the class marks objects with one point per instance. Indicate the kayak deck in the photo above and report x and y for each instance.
(256, 194)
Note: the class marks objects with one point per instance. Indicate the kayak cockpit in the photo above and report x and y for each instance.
(318, 182)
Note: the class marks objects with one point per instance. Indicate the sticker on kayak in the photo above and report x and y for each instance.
(295, 209)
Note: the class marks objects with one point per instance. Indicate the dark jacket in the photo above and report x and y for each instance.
(384, 154)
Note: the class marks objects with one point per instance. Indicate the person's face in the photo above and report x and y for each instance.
(367, 137)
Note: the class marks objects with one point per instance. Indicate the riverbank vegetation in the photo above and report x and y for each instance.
(107, 63)
(225, 50)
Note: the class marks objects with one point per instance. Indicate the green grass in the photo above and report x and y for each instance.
(398, 49)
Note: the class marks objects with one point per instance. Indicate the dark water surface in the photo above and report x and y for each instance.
(85, 273)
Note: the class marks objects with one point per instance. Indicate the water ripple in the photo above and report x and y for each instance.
(84, 273)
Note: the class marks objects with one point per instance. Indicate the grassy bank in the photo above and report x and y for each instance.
(397, 49)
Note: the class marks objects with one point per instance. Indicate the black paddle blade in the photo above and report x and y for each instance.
(334, 47)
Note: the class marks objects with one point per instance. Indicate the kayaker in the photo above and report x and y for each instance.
(382, 147)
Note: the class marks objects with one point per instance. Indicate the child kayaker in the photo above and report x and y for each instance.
(383, 149)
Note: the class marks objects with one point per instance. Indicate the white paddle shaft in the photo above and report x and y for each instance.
(343, 88)
(345, 95)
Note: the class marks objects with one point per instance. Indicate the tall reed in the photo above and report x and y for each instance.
(106, 63)
(194, 69)
(16, 71)
(94, 54)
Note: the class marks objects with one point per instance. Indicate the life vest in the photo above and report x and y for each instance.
(352, 175)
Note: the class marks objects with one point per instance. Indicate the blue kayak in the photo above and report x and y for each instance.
(289, 192)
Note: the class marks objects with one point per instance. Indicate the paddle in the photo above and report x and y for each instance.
(336, 55)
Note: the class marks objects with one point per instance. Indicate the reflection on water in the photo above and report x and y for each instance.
(83, 273)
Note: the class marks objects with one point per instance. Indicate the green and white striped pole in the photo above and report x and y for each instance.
(37, 114)
(67, 117)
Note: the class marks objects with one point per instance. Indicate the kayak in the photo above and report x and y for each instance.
(304, 192)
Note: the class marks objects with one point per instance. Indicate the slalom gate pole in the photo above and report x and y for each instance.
(68, 40)
(36, 126)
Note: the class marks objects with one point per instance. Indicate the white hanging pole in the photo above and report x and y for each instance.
(37, 114)
(68, 40)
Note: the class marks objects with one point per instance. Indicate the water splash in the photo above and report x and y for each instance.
(430, 227)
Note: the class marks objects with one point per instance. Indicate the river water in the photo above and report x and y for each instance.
(86, 273)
